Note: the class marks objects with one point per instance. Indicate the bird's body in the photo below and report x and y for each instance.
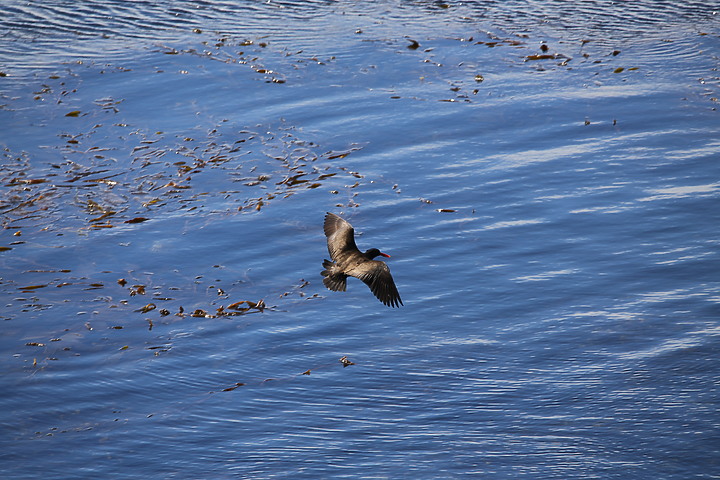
(349, 261)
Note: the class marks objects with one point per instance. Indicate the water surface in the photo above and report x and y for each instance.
(544, 176)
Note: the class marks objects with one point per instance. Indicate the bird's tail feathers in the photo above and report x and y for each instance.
(334, 279)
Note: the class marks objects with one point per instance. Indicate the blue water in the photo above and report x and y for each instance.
(544, 175)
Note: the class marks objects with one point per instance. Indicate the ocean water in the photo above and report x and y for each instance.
(546, 177)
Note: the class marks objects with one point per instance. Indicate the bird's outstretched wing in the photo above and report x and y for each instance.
(376, 275)
(340, 235)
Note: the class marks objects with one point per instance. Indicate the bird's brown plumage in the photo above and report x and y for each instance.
(348, 260)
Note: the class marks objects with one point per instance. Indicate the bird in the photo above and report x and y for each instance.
(349, 261)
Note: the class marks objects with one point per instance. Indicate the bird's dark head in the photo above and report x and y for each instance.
(374, 252)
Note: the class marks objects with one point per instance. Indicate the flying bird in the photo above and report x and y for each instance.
(349, 261)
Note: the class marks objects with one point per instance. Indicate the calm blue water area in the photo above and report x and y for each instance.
(545, 175)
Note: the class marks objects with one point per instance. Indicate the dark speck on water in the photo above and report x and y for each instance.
(545, 175)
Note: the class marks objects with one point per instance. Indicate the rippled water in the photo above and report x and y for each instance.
(544, 175)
